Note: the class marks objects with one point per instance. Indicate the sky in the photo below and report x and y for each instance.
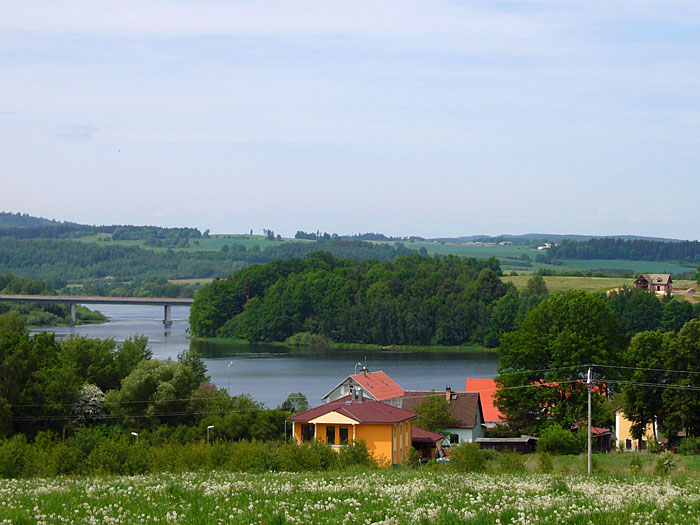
(439, 118)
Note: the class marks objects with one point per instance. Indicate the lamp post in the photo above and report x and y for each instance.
(228, 374)
(356, 365)
(136, 435)
(208, 429)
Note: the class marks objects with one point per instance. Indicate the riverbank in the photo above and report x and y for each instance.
(471, 349)
(39, 316)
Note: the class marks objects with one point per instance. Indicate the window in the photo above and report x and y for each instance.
(344, 435)
(330, 435)
(454, 439)
(628, 444)
(307, 433)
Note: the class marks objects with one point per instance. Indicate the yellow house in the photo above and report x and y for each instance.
(624, 436)
(385, 429)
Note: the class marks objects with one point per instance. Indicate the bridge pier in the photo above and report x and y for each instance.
(72, 312)
(167, 318)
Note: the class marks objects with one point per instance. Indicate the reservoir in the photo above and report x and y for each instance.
(270, 373)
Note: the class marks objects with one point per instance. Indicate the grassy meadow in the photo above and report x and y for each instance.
(402, 496)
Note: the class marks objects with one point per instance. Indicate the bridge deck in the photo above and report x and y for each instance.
(96, 299)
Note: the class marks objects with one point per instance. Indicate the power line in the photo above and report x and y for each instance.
(653, 385)
(123, 416)
(648, 369)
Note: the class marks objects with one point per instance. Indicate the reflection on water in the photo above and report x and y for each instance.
(269, 373)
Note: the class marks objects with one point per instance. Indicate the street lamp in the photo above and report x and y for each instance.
(356, 365)
(208, 429)
(136, 435)
(228, 387)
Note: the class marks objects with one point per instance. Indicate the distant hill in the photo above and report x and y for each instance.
(554, 237)
(23, 220)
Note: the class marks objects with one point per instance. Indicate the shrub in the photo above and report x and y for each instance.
(635, 464)
(64, 460)
(109, 457)
(300, 457)
(357, 454)
(413, 459)
(689, 445)
(665, 463)
(308, 339)
(252, 456)
(13, 455)
(468, 457)
(556, 440)
(510, 461)
(490, 454)
(653, 446)
(544, 462)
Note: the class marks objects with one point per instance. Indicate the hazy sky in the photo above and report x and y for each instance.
(402, 117)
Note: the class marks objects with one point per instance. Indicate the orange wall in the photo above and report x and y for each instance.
(387, 447)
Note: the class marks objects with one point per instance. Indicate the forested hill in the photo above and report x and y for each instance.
(414, 300)
(23, 220)
(60, 261)
(637, 249)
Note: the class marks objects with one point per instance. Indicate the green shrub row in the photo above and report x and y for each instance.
(87, 453)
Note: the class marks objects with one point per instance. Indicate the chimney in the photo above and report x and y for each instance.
(359, 396)
(448, 394)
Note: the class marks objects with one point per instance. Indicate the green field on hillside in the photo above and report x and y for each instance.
(510, 256)
(387, 497)
(589, 284)
(212, 243)
(561, 284)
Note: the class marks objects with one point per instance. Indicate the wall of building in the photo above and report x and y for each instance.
(623, 432)
(388, 443)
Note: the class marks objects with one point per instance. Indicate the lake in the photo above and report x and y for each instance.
(270, 373)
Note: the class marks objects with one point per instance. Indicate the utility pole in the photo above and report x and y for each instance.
(590, 447)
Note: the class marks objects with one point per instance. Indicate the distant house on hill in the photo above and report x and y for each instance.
(376, 386)
(660, 283)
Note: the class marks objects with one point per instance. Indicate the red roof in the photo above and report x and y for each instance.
(424, 436)
(366, 411)
(380, 385)
(597, 431)
(486, 388)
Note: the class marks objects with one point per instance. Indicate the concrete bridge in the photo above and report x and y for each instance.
(72, 300)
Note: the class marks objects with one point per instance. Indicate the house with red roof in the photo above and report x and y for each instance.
(427, 443)
(385, 429)
(464, 408)
(486, 388)
(376, 386)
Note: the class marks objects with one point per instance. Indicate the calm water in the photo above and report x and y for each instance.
(270, 373)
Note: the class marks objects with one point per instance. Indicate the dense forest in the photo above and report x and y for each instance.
(415, 300)
(62, 261)
(629, 249)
